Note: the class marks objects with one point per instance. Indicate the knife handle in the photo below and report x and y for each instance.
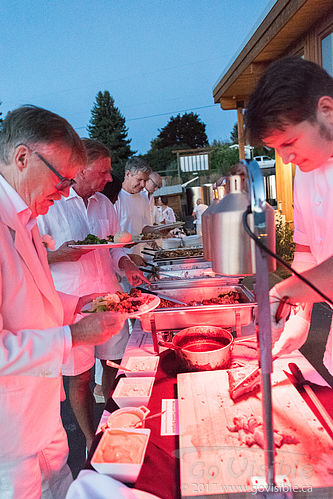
(280, 308)
(297, 373)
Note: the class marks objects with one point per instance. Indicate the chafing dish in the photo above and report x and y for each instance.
(180, 253)
(230, 315)
(194, 282)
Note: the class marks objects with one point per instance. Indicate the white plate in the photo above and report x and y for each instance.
(145, 308)
(174, 225)
(103, 246)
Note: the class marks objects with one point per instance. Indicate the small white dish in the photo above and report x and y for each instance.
(128, 417)
(121, 452)
(142, 366)
(134, 391)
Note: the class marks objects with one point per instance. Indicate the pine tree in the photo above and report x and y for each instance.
(107, 125)
(187, 131)
(234, 134)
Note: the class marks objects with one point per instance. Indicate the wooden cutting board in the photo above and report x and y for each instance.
(212, 460)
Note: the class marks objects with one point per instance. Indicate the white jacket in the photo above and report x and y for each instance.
(33, 343)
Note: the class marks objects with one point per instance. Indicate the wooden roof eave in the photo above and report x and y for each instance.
(283, 25)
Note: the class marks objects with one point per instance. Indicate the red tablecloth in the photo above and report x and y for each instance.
(160, 471)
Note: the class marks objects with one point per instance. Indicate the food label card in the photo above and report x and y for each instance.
(169, 418)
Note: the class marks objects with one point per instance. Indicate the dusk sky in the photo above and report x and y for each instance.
(156, 57)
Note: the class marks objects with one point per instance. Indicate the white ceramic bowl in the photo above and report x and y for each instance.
(142, 366)
(133, 391)
(120, 445)
(128, 417)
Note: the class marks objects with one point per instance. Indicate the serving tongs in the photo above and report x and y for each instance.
(156, 273)
(164, 297)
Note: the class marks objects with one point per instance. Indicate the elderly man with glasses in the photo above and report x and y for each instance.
(152, 185)
(40, 153)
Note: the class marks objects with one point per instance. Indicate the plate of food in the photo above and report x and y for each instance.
(118, 240)
(132, 304)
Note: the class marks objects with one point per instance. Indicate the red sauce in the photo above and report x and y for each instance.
(206, 346)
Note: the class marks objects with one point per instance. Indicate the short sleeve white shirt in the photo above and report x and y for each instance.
(313, 215)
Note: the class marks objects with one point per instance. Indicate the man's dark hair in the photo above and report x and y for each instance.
(164, 200)
(32, 125)
(95, 150)
(287, 93)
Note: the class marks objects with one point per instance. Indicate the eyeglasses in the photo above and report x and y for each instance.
(156, 186)
(64, 181)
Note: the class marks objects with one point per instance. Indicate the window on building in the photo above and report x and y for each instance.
(327, 53)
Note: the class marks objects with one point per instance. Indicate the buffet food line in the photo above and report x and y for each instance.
(192, 365)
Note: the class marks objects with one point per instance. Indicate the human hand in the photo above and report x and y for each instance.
(133, 274)
(137, 260)
(66, 254)
(97, 328)
(294, 334)
(275, 301)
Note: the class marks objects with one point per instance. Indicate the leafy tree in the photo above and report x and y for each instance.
(223, 158)
(160, 159)
(107, 125)
(187, 131)
(234, 134)
(1, 120)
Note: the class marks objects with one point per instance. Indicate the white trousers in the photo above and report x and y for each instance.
(44, 475)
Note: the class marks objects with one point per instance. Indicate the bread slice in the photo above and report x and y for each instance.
(243, 380)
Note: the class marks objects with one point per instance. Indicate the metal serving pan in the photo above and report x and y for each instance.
(230, 315)
(188, 262)
(196, 282)
(175, 266)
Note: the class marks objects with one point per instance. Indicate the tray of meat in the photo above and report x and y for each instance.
(223, 305)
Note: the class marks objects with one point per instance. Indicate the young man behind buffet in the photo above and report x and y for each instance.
(291, 110)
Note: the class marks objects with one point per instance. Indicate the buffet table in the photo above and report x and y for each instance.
(160, 474)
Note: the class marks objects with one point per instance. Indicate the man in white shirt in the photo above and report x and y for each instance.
(74, 271)
(197, 214)
(292, 111)
(152, 185)
(131, 206)
(40, 154)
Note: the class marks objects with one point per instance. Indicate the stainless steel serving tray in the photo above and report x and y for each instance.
(189, 262)
(184, 265)
(196, 282)
(231, 315)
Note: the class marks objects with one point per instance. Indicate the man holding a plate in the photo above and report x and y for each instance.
(40, 153)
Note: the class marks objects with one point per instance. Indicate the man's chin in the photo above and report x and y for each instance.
(44, 208)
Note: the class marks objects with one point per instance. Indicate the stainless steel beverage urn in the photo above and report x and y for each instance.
(206, 219)
(232, 250)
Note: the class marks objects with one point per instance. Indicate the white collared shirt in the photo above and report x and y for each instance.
(69, 219)
(313, 215)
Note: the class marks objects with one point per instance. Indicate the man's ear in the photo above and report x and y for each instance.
(21, 157)
(325, 109)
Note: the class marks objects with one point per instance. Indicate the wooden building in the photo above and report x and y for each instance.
(291, 27)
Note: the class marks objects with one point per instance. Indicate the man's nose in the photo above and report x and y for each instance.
(286, 156)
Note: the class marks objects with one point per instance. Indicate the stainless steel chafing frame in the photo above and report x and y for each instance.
(228, 315)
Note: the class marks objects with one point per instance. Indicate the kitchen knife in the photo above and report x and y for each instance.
(297, 373)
